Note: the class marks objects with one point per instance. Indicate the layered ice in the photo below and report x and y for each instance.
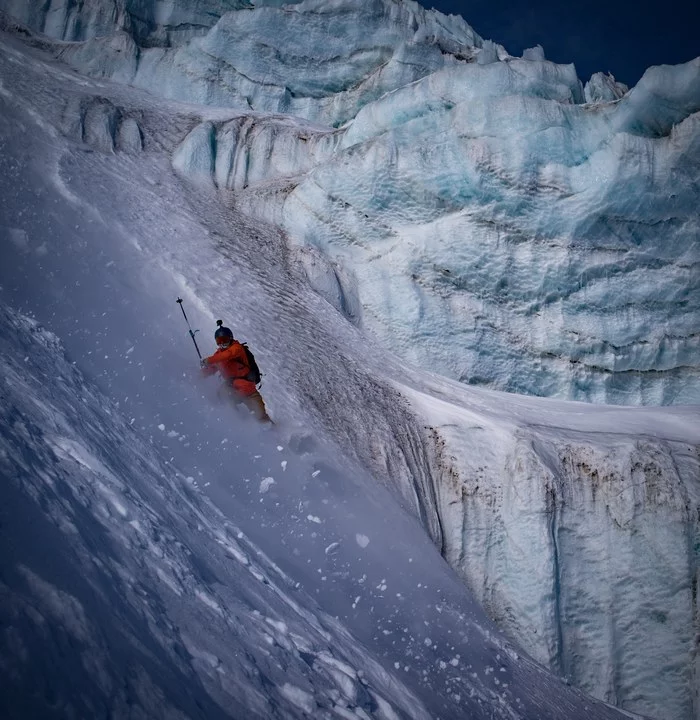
(505, 235)
(164, 23)
(318, 60)
(579, 536)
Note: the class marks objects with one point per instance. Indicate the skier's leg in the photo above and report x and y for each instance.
(256, 405)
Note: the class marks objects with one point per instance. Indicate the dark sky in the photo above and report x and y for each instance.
(616, 36)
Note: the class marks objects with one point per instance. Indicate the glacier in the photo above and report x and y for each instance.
(530, 205)
(523, 248)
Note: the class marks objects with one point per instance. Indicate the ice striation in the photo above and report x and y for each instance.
(506, 235)
(151, 24)
(487, 217)
(317, 60)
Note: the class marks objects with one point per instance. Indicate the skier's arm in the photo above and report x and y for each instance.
(233, 352)
(208, 365)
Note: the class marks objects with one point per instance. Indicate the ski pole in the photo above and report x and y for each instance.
(192, 332)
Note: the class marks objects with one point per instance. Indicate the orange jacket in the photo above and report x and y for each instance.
(232, 364)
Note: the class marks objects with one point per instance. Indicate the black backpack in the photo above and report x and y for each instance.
(254, 374)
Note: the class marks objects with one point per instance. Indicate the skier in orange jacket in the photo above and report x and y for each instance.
(231, 362)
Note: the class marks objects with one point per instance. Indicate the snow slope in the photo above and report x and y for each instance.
(125, 590)
(574, 525)
(266, 583)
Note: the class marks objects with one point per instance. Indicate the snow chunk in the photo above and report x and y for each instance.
(266, 484)
(362, 540)
(302, 699)
(603, 88)
(19, 238)
(332, 548)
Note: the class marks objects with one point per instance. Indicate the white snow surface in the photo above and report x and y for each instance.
(158, 553)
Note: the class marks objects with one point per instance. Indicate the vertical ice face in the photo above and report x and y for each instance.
(583, 546)
(508, 236)
(160, 23)
(318, 60)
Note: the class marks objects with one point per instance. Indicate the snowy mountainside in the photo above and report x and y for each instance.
(486, 216)
(268, 584)
(93, 211)
(125, 590)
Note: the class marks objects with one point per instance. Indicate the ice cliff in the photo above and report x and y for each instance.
(496, 220)
(580, 536)
(489, 216)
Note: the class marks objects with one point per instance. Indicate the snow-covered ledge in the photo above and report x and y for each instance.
(579, 533)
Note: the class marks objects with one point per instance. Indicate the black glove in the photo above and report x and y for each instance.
(203, 363)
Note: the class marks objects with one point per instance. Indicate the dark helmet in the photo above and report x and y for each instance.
(223, 335)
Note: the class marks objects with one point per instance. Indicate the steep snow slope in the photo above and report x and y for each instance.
(94, 217)
(297, 590)
(126, 591)
(472, 210)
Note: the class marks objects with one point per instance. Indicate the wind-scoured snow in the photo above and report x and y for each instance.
(575, 526)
